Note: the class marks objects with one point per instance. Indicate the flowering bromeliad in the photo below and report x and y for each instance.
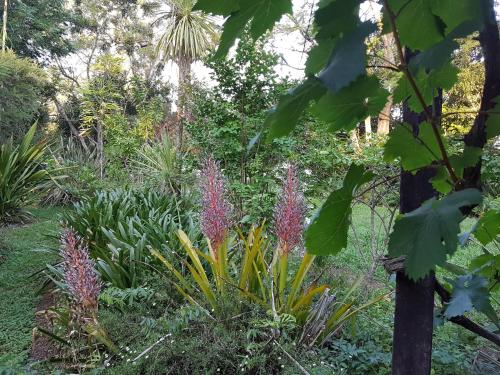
(289, 213)
(83, 283)
(289, 216)
(215, 214)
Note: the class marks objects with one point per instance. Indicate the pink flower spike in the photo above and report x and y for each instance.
(216, 210)
(79, 274)
(289, 213)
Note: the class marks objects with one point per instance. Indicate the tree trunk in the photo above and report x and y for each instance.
(72, 128)
(353, 134)
(384, 118)
(100, 148)
(414, 313)
(368, 129)
(184, 66)
(4, 24)
(490, 44)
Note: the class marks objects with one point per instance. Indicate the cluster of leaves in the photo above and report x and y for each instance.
(121, 225)
(22, 172)
(22, 85)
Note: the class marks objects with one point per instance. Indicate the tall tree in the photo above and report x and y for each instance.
(39, 29)
(187, 37)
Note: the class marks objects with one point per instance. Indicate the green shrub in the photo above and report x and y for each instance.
(120, 226)
(21, 173)
(22, 84)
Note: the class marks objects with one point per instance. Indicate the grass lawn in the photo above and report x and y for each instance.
(19, 259)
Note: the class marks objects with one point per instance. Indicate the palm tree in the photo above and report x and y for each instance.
(188, 36)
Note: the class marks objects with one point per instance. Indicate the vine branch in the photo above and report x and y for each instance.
(464, 321)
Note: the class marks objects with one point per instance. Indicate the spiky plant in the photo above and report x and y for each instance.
(289, 215)
(21, 173)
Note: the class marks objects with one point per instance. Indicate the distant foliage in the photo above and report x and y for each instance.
(22, 85)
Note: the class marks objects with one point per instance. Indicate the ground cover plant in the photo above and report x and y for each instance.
(285, 187)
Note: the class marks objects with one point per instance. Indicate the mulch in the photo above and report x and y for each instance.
(43, 347)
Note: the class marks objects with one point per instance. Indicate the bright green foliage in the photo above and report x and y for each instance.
(428, 84)
(469, 291)
(488, 227)
(417, 12)
(488, 266)
(261, 14)
(120, 225)
(21, 174)
(39, 29)
(285, 116)
(344, 110)
(413, 152)
(21, 95)
(347, 61)
(430, 233)
(327, 233)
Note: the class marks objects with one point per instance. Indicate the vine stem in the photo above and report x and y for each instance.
(430, 117)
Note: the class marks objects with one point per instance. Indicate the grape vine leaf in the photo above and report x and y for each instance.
(439, 54)
(488, 227)
(488, 266)
(331, 19)
(347, 60)
(335, 17)
(327, 232)
(344, 110)
(413, 152)
(493, 121)
(469, 292)
(318, 56)
(261, 14)
(220, 7)
(468, 158)
(428, 234)
(417, 12)
(428, 83)
(283, 118)
(455, 12)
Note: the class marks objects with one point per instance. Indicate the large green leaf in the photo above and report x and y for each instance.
(262, 15)
(469, 291)
(318, 56)
(428, 84)
(488, 227)
(327, 233)
(344, 110)
(220, 7)
(417, 12)
(347, 61)
(455, 12)
(282, 120)
(442, 181)
(439, 54)
(428, 234)
(413, 152)
(336, 17)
